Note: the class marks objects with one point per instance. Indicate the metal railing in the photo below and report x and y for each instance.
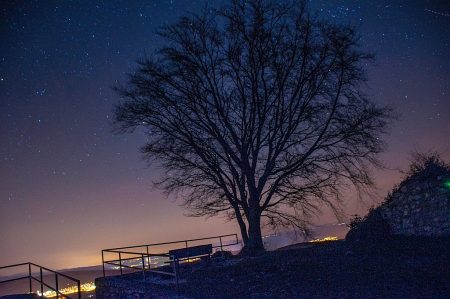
(40, 280)
(144, 255)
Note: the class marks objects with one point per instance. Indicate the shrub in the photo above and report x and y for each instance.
(369, 234)
(224, 253)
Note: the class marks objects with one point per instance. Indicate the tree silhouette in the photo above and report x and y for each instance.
(256, 111)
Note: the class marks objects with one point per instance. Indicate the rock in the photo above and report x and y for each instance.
(420, 207)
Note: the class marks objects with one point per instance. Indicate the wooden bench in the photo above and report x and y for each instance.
(177, 255)
(181, 254)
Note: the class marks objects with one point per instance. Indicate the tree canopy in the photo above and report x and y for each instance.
(256, 111)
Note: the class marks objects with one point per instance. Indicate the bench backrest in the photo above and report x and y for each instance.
(191, 251)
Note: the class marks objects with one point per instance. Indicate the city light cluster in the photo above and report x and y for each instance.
(85, 287)
(326, 239)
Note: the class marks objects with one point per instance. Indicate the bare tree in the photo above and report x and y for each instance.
(256, 112)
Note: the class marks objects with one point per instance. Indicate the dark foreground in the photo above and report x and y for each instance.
(329, 270)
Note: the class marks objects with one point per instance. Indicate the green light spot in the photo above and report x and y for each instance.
(447, 184)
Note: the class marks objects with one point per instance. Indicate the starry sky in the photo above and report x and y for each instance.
(70, 187)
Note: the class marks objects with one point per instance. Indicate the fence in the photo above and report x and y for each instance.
(144, 255)
(40, 280)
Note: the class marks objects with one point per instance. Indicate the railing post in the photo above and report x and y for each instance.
(221, 246)
(120, 263)
(143, 267)
(103, 264)
(56, 285)
(148, 258)
(29, 277)
(41, 281)
(175, 270)
(79, 289)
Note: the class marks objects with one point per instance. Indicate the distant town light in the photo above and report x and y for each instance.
(86, 287)
(326, 239)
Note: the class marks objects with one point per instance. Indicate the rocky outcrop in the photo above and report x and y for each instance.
(420, 205)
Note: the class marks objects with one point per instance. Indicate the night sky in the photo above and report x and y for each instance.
(70, 187)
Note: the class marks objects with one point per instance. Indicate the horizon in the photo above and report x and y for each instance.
(272, 241)
(69, 187)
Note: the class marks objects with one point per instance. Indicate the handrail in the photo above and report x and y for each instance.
(167, 243)
(40, 280)
(15, 265)
(139, 253)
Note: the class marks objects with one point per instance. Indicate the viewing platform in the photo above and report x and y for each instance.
(158, 269)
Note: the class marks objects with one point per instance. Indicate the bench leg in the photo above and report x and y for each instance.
(175, 270)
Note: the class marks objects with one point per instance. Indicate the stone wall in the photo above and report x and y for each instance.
(131, 287)
(420, 206)
(113, 288)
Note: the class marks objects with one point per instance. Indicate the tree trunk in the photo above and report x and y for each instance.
(254, 244)
(242, 225)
